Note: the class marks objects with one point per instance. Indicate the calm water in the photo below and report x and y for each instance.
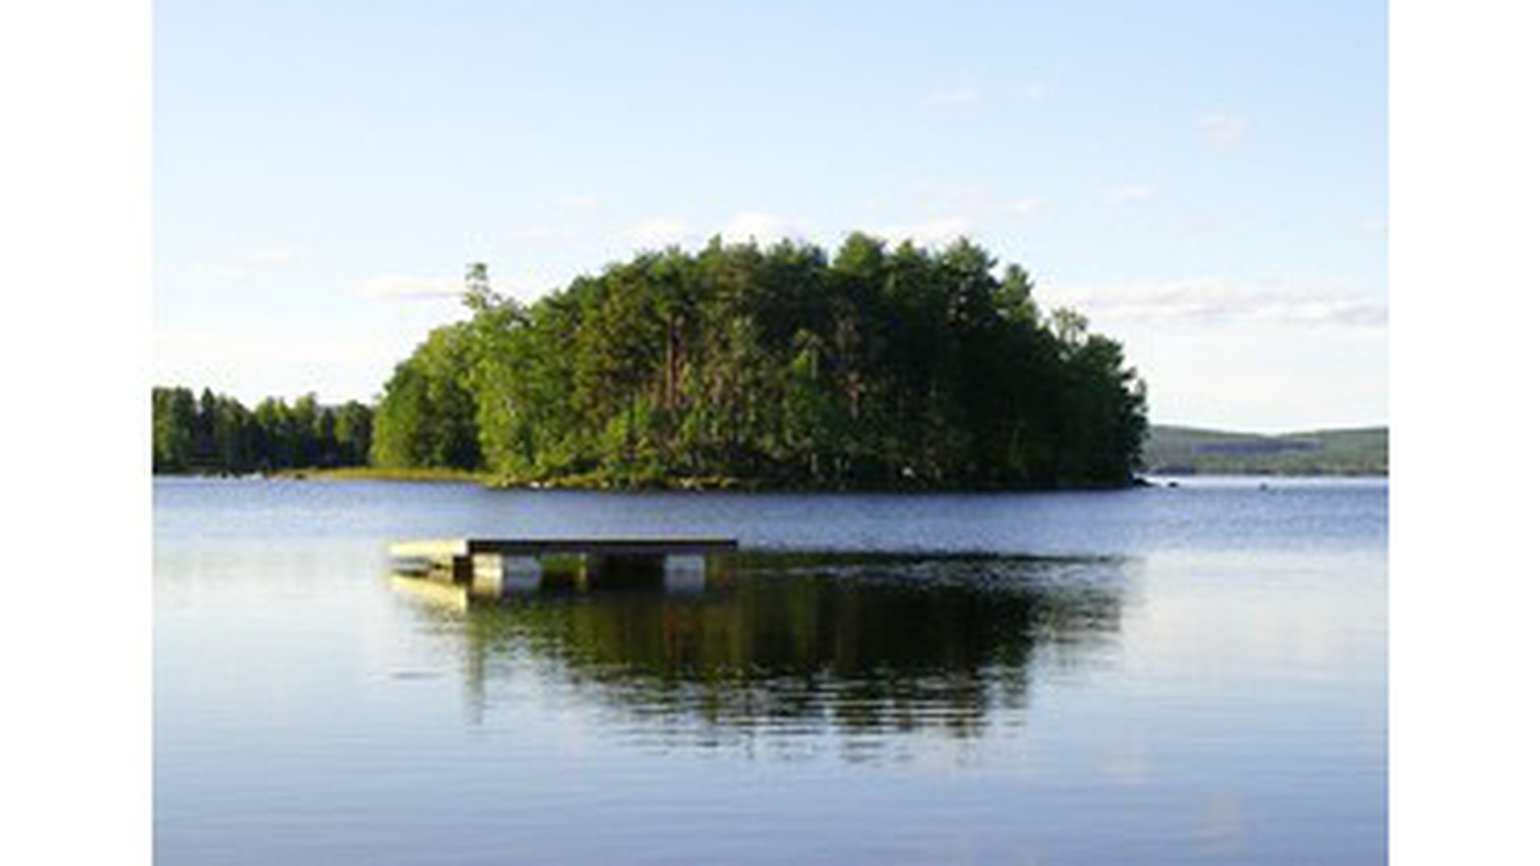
(1189, 675)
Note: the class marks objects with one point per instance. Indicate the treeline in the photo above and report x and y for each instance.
(1171, 450)
(213, 433)
(883, 367)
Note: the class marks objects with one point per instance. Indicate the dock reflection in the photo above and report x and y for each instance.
(792, 643)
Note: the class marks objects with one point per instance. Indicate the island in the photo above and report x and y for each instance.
(733, 366)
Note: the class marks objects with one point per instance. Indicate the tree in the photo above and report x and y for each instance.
(427, 416)
(886, 366)
(174, 418)
(215, 433)
(353, 431)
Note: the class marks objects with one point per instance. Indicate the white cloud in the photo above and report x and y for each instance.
(953, 96)
(934, 232)
(934, 212)
(254, 363)
(658, 232)
(253, 348)
(400, 287)
(764, 228)
(1212, 301)
(271, 255)
(210, 271)
(1129, 193)
(1375, 225)
(1208, 222)
(545, 233)
(1035, 91)
(973, 202)
(578, 202)
(243, 263)
(537, 233)
(1222, 130)
(1025, 207)
(969, 197)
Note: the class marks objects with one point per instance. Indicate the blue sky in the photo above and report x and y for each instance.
(1207, 181)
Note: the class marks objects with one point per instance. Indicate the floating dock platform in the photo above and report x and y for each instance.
(497, 567)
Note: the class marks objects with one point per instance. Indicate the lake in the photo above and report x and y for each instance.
(1193, 674)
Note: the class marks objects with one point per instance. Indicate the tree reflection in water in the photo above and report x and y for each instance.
(866, 646)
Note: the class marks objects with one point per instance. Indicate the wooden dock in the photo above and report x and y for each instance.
(444, 548)
(500, 566)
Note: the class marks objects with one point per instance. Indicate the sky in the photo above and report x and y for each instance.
(266, 140)
(1207, 181)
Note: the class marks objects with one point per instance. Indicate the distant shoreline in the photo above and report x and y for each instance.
(593, 482)
(1152, 479)
(1171, 450)
(1171, 453)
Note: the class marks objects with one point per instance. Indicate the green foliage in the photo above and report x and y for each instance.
(428, 414)
(215, 433)
(175, 429)
(738, 366)
(1172, 450)
(776, 366)
(354, 433)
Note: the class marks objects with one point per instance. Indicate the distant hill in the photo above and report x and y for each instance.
(1170, 450)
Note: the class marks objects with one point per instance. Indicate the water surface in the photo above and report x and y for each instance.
(1188, 675)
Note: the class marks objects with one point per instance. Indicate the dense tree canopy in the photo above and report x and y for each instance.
(215, 433)
(428, 414)
(883, 367)
(897, 367)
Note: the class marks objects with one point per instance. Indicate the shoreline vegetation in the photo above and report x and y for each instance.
(746, 368)
(598, 482)
(735, 367)
(1170, 451)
